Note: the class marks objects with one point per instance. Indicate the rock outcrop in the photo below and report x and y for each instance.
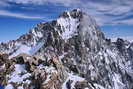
(29, 72)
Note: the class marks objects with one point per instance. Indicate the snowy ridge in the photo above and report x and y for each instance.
(28, 43)
(73, 78)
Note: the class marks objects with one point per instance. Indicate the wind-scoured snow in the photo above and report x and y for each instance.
(74, 79)
(37, 33)
(21, 49)
(68, 26)
(19, 75)
(9, 86)
(117, 82)
(26, 49)
(36, 48)
(98, 86)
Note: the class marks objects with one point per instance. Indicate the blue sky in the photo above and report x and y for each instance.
(18, 16)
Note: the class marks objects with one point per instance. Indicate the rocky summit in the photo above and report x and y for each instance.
(70, 52)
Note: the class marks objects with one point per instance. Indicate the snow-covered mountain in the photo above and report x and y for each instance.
(80, 48)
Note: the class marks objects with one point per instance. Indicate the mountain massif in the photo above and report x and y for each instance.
(70, 52)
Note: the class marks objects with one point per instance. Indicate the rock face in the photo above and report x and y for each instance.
(68, 53)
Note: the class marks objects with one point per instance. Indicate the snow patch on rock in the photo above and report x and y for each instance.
(68, 26)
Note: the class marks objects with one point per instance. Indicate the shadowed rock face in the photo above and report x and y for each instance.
(69, 48)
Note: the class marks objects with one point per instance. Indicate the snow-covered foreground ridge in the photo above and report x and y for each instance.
(68, 53)
(28, 72)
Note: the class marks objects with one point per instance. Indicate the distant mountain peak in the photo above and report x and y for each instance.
(76, 13)
(68, 25)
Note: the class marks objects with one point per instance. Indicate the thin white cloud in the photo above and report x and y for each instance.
(110, 13)
(41, 2)
(125, 21)
(4, 4)
(105, 12)
(18, 15)
(128, 38)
